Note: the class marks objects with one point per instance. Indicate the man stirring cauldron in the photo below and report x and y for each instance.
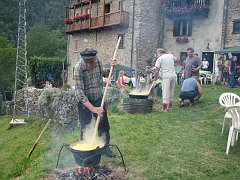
(89, 90)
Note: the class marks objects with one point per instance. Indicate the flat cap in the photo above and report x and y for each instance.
(88, 53)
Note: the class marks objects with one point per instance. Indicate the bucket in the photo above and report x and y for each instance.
(132, 105)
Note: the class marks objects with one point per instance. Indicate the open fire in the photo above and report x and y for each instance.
(88, 164)
(99, 172)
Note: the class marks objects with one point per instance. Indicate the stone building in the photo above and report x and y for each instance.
(145, 25)
(206, 25)
(138, 22)
(231, 24)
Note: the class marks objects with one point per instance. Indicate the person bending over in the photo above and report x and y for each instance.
(191, 90)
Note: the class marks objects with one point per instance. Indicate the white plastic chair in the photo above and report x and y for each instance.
(234, 111)
(228, 100)
(208, 78)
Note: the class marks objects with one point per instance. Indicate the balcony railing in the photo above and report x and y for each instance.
(186, 7)
(110, 19)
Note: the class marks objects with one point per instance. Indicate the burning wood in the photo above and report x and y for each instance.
(101, 172)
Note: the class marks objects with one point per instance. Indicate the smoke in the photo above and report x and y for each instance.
(88, 135)
(141, 89)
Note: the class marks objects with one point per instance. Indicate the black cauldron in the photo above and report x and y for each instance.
(84, 158)
(87, 158)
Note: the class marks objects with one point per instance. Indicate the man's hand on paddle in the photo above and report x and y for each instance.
(98, 110)
(113, 62)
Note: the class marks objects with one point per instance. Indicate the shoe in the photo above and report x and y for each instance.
(196, 101)
(181, 103)
(109, 153)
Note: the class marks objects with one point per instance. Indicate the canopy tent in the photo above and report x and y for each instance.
(229, 50)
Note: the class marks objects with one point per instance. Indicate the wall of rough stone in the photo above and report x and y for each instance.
(150, 21)
(143, 45)
(232, 40)
(204, 31)
(60, 105)
(48, 103)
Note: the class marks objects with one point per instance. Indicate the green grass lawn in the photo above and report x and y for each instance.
(183, 144)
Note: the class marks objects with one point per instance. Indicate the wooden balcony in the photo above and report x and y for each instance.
(120, 18)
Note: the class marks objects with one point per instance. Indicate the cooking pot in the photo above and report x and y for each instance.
(88, 158)
(85, 158)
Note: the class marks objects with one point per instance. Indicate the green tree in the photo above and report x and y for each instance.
(46, 69)
(45, 12)
(7, 65)
(42, 41)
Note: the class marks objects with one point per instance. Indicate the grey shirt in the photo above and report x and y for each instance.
(189, 84)
(192, 62)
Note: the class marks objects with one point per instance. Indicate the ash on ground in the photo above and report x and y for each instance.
(101, 172)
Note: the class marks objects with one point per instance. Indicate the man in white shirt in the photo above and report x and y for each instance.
(165, 65)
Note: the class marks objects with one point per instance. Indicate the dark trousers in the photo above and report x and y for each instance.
(85, 117)
(232, 79)
(189, 95)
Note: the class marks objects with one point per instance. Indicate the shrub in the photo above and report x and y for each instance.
(43, 69)
(1, 101)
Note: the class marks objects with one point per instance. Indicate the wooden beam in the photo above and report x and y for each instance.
(121, 11)
(103, 13)
(90, 12)
(74, 11)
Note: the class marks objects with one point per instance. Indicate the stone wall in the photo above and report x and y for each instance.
(150, 27)
(232, 40)
(48, 103)
(205, 30)
(60, 105)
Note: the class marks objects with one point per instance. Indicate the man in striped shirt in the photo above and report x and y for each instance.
(89, 90)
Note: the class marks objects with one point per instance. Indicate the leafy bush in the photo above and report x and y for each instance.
(7, 65)
(42, 41)
(114, 108)
(43, 69)
(1, 100)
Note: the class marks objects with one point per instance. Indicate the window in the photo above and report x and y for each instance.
(87, 11)
(76, 46)
(121, 44)
(123, 5)
(107, 8)
(119, 5)
(183, 56)
(236, 26)
(182, 27)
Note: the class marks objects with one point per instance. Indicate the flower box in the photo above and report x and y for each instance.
(68, 20)
(182, 40)
(83, 17)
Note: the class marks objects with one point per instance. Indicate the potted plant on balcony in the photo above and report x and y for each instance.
(75, 19)
(68, 20)
(182, 40)
(84, 16)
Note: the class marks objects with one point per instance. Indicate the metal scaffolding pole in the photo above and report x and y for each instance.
(21, 76)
